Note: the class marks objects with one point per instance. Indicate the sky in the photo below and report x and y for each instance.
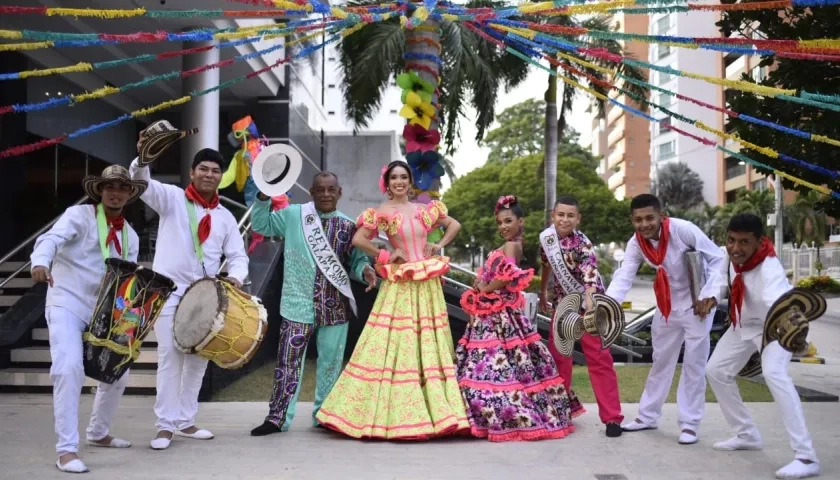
(470, 155)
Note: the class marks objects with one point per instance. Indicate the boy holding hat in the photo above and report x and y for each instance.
(193, 234)
(70, 258)
(770, 318)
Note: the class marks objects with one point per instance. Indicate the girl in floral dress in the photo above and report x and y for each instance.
(507, 376)
(400, 382)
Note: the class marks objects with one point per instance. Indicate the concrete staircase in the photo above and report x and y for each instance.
(29, 371)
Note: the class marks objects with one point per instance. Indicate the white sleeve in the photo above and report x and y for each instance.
(160, 197)
(622, 280)
(66, 229)
(234, 250)
(714, 258)
(774, 282)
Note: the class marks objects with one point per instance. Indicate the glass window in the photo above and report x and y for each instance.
(666, 151)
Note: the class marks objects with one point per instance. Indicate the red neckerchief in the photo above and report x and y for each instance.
(205, 223)
(739, 289)
(115, 225)
(661, 286)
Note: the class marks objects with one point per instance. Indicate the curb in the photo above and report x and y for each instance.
(809, 360)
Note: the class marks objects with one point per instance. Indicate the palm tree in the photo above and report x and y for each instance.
(808, 223)
(555, 125)
(474, 70)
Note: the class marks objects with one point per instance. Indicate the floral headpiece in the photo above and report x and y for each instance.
(504, 202)
(382, 187)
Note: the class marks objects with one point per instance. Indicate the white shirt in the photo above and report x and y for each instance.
(764, 285)
(70, 249)
(175, 254)
(683, 236)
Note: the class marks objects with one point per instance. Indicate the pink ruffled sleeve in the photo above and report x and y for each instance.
(437, 210)
(368, 221)
(500, 267)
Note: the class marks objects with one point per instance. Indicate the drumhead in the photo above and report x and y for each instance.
(198, 313)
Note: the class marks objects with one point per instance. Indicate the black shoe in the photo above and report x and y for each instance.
(613, 430)
(267, 428)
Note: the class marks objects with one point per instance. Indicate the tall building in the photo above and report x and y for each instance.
(666, 145)
(623, 138)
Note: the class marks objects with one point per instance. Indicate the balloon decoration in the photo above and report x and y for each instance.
(521, 30)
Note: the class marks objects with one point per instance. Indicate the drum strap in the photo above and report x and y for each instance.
(551, 245)
(325, 257)
(199, 251)
(102, 228)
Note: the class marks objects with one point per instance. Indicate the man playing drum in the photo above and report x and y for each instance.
(193, 234)
(318, 253)
(70, 258)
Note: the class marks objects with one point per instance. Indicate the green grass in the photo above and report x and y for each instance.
(256, 386)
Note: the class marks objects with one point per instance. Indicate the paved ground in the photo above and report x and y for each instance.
(306, 453)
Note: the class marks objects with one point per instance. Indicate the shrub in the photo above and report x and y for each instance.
(821, 283)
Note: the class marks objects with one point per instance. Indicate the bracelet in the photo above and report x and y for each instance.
(383, 257)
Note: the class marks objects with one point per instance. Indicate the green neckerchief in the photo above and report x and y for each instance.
(199, 251)
(102, 227)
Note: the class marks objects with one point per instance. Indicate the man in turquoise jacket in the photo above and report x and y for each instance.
(318, 253)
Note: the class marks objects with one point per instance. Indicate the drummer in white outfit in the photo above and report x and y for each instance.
(677, 318)
(764, 281)
(180, 375)
(70, 258)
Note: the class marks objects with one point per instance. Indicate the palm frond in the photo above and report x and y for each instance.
(367, 59)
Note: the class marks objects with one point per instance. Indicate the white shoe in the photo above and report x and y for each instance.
(799, 469)
(687, 438)
(160, 443)
(115, 443)
(74, 466)
(636, 426)
(199, 434)
(739, 442)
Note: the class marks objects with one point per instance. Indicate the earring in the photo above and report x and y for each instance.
(389, 194)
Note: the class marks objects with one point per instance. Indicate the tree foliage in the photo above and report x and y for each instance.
(474, 71)
(521, 132)
(678, 186)
(800, 75)
(472, 197)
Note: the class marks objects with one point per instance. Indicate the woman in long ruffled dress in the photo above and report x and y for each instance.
(508, 379)
(400, 382)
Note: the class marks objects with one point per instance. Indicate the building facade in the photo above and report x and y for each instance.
(287, 104)
(621, 138)
(666, 145)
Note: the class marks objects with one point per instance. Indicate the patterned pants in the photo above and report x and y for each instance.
(291, 352)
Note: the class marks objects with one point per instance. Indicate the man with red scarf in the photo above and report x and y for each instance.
(187, 216)
(758, 280)
(662, 242)
(70, 258)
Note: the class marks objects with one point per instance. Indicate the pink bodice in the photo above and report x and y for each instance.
(406, 233)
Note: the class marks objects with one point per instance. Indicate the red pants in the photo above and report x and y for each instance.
(601, 374)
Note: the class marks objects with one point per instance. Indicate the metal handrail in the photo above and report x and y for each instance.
(540, 317)
(240, 225)
(7, 257)
(233, 203)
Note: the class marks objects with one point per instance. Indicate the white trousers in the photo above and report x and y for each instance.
(68, 377)
(731, 354)
(667, 339)
(179, 377)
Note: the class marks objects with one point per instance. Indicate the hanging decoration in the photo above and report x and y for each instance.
(519, 30)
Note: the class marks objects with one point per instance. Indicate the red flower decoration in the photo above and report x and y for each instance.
(418, 138)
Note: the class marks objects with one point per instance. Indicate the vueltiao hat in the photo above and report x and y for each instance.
(605, 320)
(92, 184)
(788, 322)
(160, 136)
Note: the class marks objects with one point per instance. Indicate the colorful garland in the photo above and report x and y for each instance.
(528, 40)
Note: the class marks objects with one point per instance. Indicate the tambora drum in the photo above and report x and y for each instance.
(219, 322)
(129, 301)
